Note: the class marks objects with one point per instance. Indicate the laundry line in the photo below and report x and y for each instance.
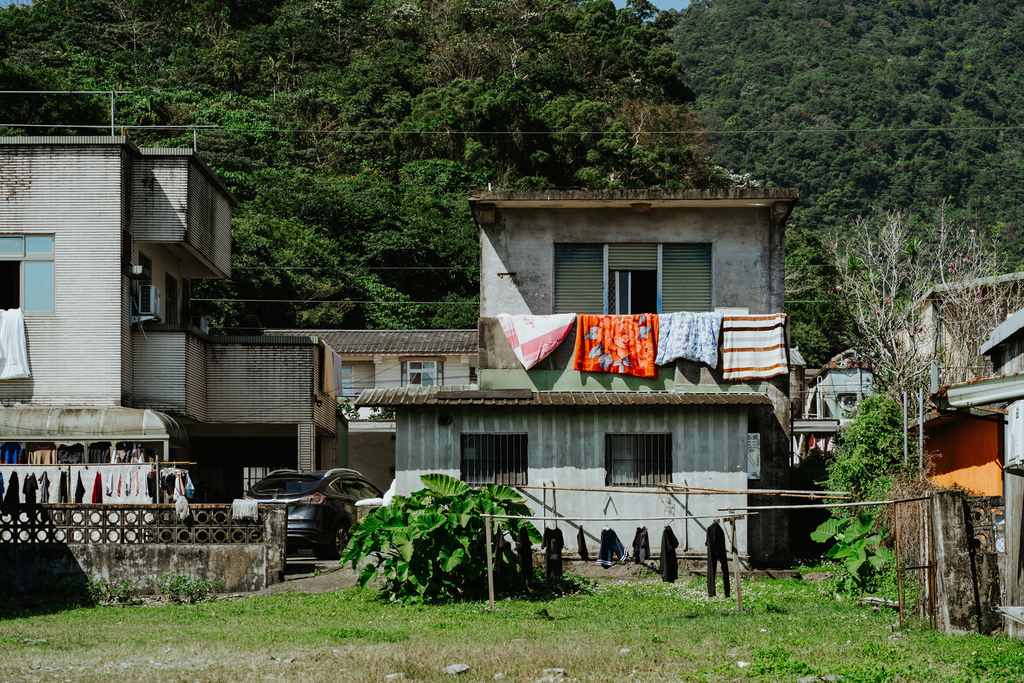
(564, 518)
(702, 490)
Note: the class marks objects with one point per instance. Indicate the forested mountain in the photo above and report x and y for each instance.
(352, 130)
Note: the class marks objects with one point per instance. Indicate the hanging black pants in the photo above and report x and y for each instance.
(716, 554)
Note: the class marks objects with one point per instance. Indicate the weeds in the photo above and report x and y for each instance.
(181, 589)
(103, 592)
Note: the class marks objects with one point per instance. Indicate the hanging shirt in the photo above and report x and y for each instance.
(70, 454)
(13, 496)
(716, 555)
(97, 489)
(623, 344)
(641, 545)
(80, 490)
(611, 547)
(11, 453)
(44, 488)
(179, 488)
(552, 544)
(13, 349)
(669, 561)
(30, 488)
(99, 452)
(525, 551)
(581, 541)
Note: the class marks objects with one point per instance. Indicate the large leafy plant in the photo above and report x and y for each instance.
(431, 545)
(859, 551)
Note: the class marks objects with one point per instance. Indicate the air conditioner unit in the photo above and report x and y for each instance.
(1014, 446)
(201, 323)
(150, 303)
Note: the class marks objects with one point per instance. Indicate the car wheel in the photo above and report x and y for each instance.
(332, 551)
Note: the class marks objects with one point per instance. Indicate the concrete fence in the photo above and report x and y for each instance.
(57, 547)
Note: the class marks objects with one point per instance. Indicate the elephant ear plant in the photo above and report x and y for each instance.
(860, 551)
(431, 546)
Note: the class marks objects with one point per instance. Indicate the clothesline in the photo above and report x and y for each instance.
(622, 519)
(824, 505)
(703, 490)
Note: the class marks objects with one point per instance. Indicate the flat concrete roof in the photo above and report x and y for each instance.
(575, 199)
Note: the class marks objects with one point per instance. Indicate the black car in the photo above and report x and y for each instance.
(321, 505)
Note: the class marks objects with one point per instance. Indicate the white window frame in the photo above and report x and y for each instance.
(34, 257)
(436, 372)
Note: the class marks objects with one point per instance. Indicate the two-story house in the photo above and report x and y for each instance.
(606, 440)
(373, 359)
(100, 241)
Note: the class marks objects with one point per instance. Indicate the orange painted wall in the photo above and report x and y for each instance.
(969, 457)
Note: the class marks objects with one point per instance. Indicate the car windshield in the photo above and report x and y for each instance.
(292, 485)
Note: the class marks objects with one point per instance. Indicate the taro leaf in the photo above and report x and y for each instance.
(454, 560)
(403, 544)
(593, 333)
(444, 485)
(853, 564)
(369, 571)
(828, 530)
(501, 492)
(877, 561)
(428, 521)
(596, 351)
(605, 361)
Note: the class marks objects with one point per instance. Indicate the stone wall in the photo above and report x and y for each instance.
(58, 547)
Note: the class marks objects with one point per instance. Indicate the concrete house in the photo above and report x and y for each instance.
(615, 437)
(100, 242)
(372, 359)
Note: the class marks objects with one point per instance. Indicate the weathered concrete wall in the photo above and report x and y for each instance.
(967, 580)
(37, 567)
(746, 251)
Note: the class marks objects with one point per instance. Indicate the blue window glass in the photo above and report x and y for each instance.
(38, 285)
(11, 245)
(39, 244)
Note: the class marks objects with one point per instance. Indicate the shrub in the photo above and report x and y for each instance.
(431, 544)
(870, 451)
(181, 589)
(103, 592)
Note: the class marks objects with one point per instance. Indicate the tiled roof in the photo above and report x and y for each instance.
(393, 342)
(524, 397)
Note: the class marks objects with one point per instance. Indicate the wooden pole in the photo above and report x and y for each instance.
(488, 522)
(736, 567)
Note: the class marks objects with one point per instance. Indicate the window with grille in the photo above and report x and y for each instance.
(251, 475)
(637, 459)
(494, 459)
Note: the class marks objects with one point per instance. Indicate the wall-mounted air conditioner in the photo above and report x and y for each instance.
(1014, 443)
(201, 323)
(150, 302)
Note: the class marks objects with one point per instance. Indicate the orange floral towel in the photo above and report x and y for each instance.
(624, 344)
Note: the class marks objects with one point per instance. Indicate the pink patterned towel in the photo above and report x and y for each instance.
(533, 337)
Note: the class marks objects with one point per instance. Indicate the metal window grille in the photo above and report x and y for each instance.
(637, 459)
(251, 475)
(494, 459)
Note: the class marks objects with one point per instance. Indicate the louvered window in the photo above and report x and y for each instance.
(637, 459)
(632, 278)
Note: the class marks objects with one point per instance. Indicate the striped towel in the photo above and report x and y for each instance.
(754, 346)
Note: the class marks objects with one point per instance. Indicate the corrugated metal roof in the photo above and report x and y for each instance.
(32, 423)
(515, 397)
(393, 342)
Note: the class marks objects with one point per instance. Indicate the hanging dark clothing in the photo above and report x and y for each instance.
(44, 488)
(29, 488)
(97, 489)
(80, 490)
(716, 554)
(525, 551)
(13, 496)
(99, 452)
(641, 545)
(611, 547)
(552, 543)
(669, 561)
(581, 541)
(70, 454)
(499, 549)
(62, 488)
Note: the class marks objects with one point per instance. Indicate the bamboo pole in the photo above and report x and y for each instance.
(702, 490)
(625, 519)
(865, 503)
(488, 522)
(899, 572)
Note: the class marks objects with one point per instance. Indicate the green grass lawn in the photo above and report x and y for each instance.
(639, 631)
